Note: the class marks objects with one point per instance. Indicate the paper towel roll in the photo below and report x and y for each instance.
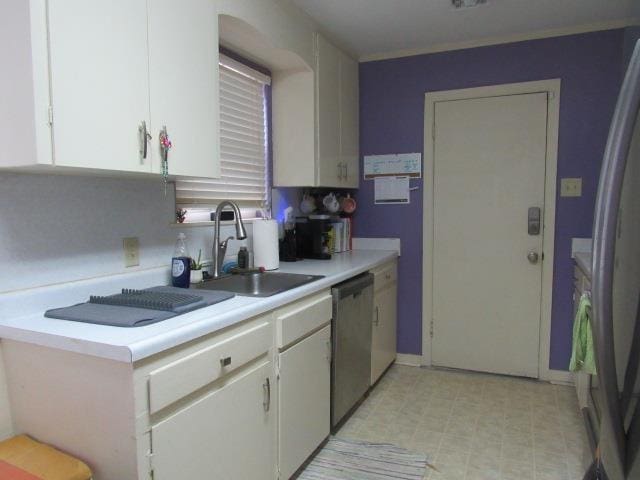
(265, 244)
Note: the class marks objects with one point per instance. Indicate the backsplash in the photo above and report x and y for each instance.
(56, 229)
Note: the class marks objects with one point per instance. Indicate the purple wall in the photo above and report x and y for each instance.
(391, 121)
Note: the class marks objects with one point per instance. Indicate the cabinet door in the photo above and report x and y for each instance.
(226, 435)
(99, 82)
(349, 121)
(183, 72)
(304, 400)
(328, 113)
(383, 348)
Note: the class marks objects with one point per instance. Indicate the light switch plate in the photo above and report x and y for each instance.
(571, 187)
(131, 246)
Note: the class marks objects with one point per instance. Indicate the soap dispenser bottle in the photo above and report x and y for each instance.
(181, 263)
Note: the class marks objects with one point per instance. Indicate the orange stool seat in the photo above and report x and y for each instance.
(22, 458)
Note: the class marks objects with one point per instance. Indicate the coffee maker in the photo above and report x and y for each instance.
(313, 237)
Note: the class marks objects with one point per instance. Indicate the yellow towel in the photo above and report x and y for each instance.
(41, 460)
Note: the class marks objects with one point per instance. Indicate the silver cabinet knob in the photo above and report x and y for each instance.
(533, 257)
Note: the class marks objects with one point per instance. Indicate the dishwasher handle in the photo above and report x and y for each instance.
(353, 287)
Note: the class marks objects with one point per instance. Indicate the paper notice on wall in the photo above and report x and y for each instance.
(395, 165)
(389, 190)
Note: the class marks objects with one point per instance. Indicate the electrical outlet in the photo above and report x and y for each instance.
(571, 187)
(131, 247)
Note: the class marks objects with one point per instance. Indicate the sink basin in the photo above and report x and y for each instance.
(258, 284)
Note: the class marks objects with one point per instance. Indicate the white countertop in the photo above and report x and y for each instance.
(133, 344)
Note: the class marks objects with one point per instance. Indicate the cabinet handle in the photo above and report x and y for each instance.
(225, 361)
(266, 390)
(387, 276)
(376, 322)
(143, 139)
(346, 171)
(329, 352)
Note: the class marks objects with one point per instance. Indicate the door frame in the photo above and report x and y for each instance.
(552, 88)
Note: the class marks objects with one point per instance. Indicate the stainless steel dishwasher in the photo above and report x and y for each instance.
(351, 335)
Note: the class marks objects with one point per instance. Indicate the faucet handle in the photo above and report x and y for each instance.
(223, 244)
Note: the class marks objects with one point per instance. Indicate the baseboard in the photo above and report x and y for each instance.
(560, 377)
(409, 359)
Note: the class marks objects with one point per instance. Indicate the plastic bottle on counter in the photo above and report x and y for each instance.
(243, 258)
(181, 263)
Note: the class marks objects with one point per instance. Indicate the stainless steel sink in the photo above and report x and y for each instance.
(258, 284)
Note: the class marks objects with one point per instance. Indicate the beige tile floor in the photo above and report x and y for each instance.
(476, 426)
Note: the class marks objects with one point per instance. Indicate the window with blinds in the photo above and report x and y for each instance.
(243, 143)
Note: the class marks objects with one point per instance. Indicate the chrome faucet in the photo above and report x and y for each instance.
(220, 248)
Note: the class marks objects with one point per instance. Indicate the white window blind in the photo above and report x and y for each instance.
(243, 143)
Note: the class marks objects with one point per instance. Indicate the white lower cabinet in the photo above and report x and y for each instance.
(210, 408)
(227, 434)
(304, 399)
(385, 318)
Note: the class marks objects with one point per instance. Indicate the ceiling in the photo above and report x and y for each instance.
(380, 28)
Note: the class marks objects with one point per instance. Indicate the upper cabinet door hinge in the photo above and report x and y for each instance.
(50, 115)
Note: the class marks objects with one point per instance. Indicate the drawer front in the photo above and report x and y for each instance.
(385, 275)
(182, 377)
(303, 317)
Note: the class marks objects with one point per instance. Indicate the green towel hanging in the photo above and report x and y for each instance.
(582, 354)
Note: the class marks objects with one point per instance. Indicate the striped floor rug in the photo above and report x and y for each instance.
(357, 460)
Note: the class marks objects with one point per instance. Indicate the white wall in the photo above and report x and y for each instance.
(56, 229)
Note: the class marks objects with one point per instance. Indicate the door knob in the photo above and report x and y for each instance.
(533, 257)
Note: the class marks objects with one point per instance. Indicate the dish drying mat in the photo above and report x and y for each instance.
(137, 308)
(148, 299)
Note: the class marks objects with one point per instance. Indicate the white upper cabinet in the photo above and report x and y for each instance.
(99, 83)
(337, 105)
(349, 122)
(104, 73)
(183, 72)
(335, 161)
(328, 129)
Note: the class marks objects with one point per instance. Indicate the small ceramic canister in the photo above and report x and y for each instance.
(348, 204)
(331, 203)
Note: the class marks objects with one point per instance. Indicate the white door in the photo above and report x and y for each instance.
(489, 169)
(99, 82)
(226, 435)
(183, 72)
(304, 400)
